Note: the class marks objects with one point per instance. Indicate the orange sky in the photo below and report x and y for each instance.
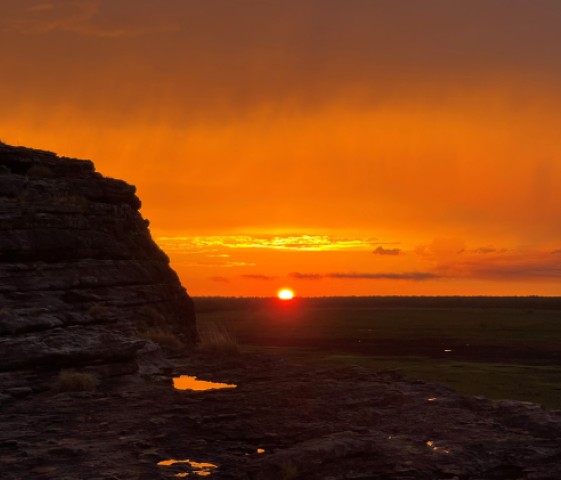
(340, 147)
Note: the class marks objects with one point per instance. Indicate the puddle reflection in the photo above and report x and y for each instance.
(201, 469)
(186, 382)
(260, 450)
(431, 444)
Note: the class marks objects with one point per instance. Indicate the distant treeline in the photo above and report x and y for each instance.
(210, 304)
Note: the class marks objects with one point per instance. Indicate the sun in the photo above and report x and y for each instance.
(285, 294)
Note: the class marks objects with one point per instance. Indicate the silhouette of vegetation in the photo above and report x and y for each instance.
(162, 337)
(151, 325)
(217, 338)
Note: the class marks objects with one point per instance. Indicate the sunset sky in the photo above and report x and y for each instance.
(338, 147)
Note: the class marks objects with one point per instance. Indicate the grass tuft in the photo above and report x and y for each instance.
(161, 337)
(217, 338)
(73, 381)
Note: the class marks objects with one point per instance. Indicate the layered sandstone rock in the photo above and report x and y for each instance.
(81, 280)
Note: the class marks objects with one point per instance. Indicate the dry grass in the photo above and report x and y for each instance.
(73, 381)
(217, 338)
(151, 325)
(161, 337)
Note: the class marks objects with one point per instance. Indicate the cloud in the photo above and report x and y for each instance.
(516, 264)
(306, 276)
(386, 276)
(272, 242)
(41, 7)
(266, 278)
(219, 279)
(415, 276)
(83, 17)
(386, 251)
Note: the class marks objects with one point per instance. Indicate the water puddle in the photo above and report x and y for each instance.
(186, 382)
(432, 399)
(200, 469)
(260, 450)
(431, 444)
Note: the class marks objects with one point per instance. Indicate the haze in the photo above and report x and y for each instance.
(339, 147)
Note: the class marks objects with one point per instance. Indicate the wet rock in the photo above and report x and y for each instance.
(336, 427)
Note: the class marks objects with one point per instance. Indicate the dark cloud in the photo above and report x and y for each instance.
(82, 17)
(219, 279)
(512, 265)
(386, 251)
(416, 276)
(220, 57)
(386, 276)
(266, 278)
(306, 276)
(487, 250)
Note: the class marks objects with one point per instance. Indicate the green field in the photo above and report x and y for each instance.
(496, 347)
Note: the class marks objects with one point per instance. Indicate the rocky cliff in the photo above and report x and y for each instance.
(81, 280)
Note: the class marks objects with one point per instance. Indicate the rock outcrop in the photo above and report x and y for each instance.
(82, 283)
(283, 421)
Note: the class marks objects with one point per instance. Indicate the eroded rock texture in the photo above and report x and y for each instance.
(81, 280)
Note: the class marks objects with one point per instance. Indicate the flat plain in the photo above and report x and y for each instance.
(497, 347)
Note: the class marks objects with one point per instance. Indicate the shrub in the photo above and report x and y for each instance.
(40, 171)
(217, 338)
(73, 381)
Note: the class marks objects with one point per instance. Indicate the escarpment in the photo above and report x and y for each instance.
(82, 282)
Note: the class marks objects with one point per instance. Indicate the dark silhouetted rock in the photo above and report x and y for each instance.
(79, 271)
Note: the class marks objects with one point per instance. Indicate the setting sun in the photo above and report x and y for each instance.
(285, 294)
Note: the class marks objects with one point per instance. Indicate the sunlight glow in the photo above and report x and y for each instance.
(285, 294)
(310, 243)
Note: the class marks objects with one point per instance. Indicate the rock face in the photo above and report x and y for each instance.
(283, 421)
(81, 280)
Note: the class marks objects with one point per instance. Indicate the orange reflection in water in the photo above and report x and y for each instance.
(260, 450)
(202, 469)
(431, 444)
(186, 382)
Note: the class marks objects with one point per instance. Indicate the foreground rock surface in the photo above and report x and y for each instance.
(80, 275)
(313, 423)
